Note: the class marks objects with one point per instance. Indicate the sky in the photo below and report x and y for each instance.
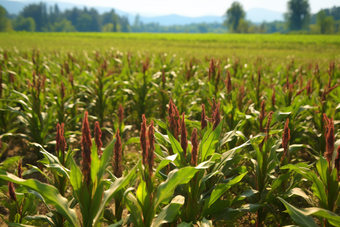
(193, 8)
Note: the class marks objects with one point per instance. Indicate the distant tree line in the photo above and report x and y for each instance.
(298, 19)
(41, 18)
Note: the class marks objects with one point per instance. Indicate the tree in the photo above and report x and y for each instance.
(39, 14)
(298, 15)
(24, 24)
(325, 22)
(5, 23)
(233, 16)
(63, 26)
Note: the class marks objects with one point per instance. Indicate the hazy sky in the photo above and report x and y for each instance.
(194, 7)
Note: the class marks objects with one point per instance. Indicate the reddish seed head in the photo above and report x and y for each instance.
(228, 82)
(120, 113)
(117, 152)
(11, 191)
(97, 137)
(60, 139)
(62, 90)
(20, 169)
(194, 150)
(86, 153)
(203, 118)
(262, 114)
(174, 119)
(217, 116)
(184, 133)
(71, 79)
(151, 150)
(285, 140)
(143, 141)
(329, 136)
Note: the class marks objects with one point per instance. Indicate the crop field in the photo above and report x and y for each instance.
(169, 130)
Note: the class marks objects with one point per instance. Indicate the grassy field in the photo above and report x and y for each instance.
(245, 46)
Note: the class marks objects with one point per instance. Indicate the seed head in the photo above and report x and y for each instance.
(174, 119)
(203, 117)
(194, 150)
(217, 116)
(86, 153)
(62, 90)
(11, 191)
(285, 140)
(228, 82)
(60, 139)
(329, 136)
(151, 137)
(262, 114)
(117, 152)
(143, 141)
(20, 169)
(97, 137)
(120, 113)
(184, 133)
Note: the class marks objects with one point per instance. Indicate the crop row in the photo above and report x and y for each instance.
(253, 138)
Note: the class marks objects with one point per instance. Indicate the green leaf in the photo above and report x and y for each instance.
(165, 162)
(76, 180)
(185, 224)
(222, 188)
(49, 193)
(160, 123)
(298, 216)
(95, 163)
(208, 147)
(104, 160)
(134, 208)
(176, 177)
(169, 212)
(177, 149)
(114, 188)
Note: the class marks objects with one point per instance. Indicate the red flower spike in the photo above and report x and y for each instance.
(97, 137)
(151, 137)
(262, 114)
(11, 191)
(86, 146)
(217, 116)
(117, 152)
(143, 141)
(194, 150)
(62, 90)
(330, 139)
(184, 134)
(285, 140)
(273, 98)
(174, 119)
(20, 169)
